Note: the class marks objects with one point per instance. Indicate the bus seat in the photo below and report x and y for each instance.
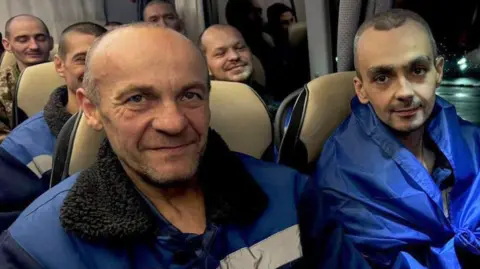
(319, 109)
(237, 114)
(269, 39)
(8, 59)
(297, 33)
(258, 71)
(283, 117)
(34, 87)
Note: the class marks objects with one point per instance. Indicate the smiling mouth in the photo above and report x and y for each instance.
(236, 67)
(172, 148)
(407, 112)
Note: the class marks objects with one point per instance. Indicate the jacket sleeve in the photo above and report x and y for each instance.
(13, 256)
(4, 121)
(19, 186)
(323, 239)
(5, 102)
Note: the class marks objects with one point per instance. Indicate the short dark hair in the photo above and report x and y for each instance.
(9, 22)
(113, 23)
(392, 19)
(88, 28)
(236, 12)
(275, 11)
(157, 2)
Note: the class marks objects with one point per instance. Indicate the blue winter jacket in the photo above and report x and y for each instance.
(26, 158)
(395, 212)
(98, 219)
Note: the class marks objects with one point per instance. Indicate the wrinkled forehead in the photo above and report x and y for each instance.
(396, 47)
(151, 59)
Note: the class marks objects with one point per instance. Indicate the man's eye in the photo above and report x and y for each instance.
(136, 99)
(191, 96)
(41, 38)
(419, 71)
(381, 79)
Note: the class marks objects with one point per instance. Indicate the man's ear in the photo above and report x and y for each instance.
(439, 63)
(59, 66)
(360, 90)
(6, 45)
(90, 110)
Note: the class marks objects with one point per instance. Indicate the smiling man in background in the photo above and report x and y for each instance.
(28, 38)
(228, 56)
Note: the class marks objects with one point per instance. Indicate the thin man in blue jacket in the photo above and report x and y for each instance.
(26, 154)
(165, 191)
(401, 173)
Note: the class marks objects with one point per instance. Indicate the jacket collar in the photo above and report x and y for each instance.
(103, 204)
(55, 111)
(444, 128)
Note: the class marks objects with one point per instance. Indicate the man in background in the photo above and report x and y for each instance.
(229, 58)
(28, 38)
(163, 13)
(26, 153)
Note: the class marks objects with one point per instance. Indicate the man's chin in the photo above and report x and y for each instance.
(35, 61)
(171, 175)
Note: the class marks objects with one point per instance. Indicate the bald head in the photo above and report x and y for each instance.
(227, 54)
(22, 19)
(147, 45)
(214, 32)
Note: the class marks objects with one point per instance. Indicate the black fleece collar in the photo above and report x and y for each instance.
(103, 205)
(55, 111)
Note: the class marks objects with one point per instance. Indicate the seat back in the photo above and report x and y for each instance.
(283, 116)
(8, 58)
(34, 87)
(237, 114)
(258, 71)
(319, 109)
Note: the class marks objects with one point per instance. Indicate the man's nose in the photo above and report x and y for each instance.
(161, 22)
(170, 119)
(33, 45)
(233, 55)
(405, 91)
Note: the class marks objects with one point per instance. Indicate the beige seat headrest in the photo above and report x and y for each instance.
(297, 33)
(35, 85)
(319, 109)
(327, 107)
(8, 58)
(258, 71)
(237, 114)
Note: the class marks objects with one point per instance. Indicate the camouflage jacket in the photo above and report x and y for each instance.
(8, 82)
